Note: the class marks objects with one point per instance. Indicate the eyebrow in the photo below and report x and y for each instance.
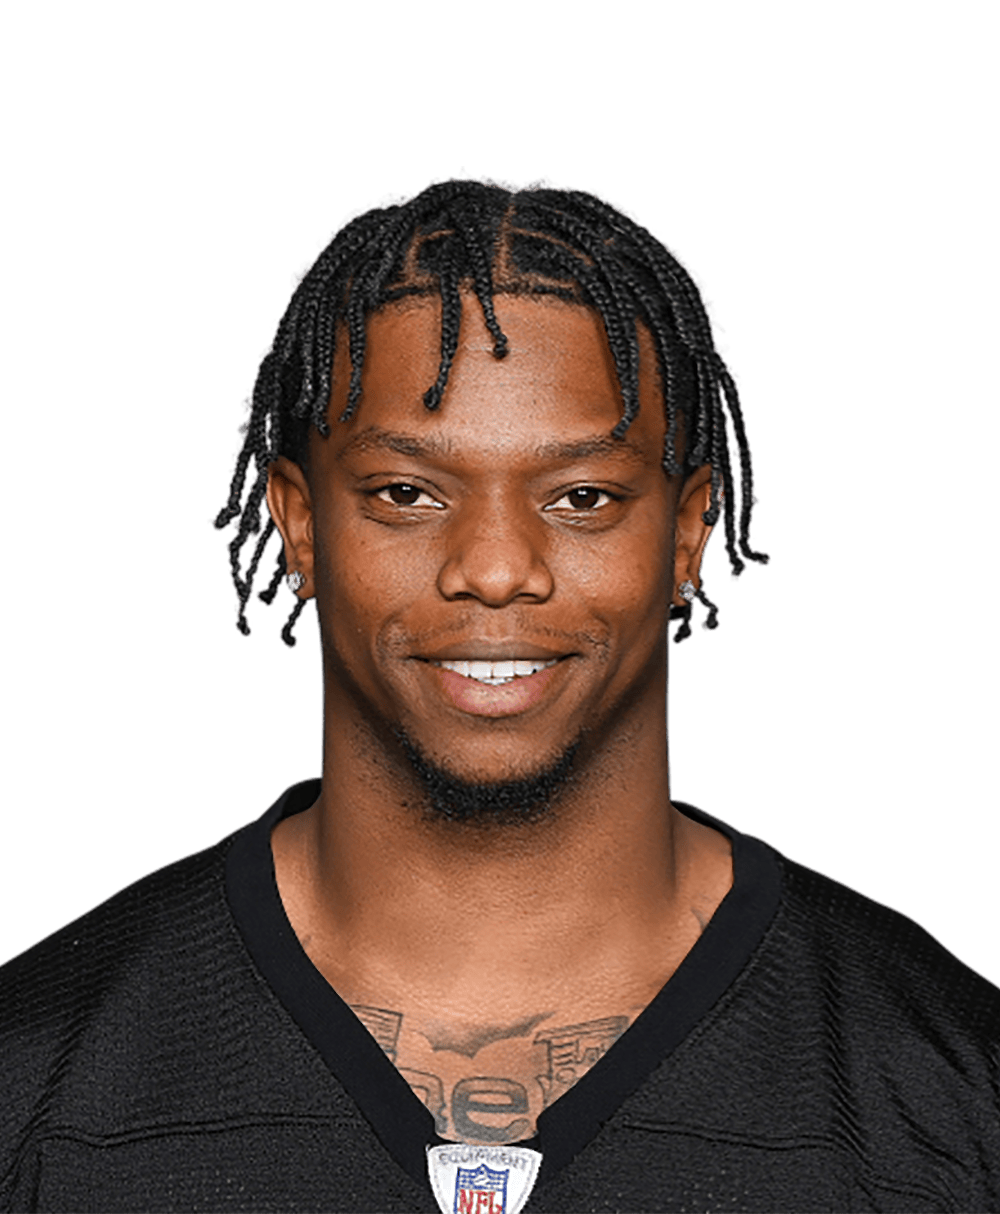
(431, 447)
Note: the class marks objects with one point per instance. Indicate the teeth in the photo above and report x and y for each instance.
(496, 672)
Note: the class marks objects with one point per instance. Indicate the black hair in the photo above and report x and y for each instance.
(470, 235)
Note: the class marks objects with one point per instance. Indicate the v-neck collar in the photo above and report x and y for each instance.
(397, 1115)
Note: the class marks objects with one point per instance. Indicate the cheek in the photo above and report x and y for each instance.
(624, 577)
(365, 571)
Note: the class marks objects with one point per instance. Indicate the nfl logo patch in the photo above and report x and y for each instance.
(481, 1191)
(481, 1180)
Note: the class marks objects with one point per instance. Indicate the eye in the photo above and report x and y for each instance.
(583, 498)
(403, 494)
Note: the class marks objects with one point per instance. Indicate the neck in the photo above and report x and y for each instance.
(388, 901)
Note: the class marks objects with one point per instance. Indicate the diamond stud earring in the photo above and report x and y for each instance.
(687, 591)
(295, 581)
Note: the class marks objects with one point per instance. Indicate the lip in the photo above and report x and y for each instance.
(483, 650)
(495, 700)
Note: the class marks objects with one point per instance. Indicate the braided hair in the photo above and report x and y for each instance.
(472, 236)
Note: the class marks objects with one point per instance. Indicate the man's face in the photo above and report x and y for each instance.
(493, 579)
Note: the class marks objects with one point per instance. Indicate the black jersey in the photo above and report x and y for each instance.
(175, 1049)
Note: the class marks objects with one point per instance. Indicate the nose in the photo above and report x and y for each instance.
(496, 554)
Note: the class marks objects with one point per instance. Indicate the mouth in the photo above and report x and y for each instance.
(496, 686)
(494, 674)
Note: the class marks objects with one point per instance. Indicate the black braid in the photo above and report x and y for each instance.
(712, 619)
(286, 632)
(362, 291)
(481, 272)
(616, 307)
(621, 334)
(280, 569)
(451, 320)
(357, 339)
(746, 471)
(684, 615)
(673, 380)
(466, 235)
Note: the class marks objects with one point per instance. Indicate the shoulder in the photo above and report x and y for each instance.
(75, 1001)
(145, 926)
(852, 1049)
(892, 1026)
(56, 978)
(881, 963)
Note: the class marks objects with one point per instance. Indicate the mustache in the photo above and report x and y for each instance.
(399, 641)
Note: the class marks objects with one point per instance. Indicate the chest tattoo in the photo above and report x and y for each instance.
(488, 1084)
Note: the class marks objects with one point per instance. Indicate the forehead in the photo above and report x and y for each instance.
(557, 383)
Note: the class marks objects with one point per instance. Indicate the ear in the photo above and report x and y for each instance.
(290, 504)
(691, 530)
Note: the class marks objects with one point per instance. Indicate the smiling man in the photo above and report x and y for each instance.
(486, 961)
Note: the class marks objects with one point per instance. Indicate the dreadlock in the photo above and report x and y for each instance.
(471, 236)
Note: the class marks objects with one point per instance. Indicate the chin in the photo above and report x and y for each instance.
(513, 799)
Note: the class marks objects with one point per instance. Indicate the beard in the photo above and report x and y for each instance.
(488, 803)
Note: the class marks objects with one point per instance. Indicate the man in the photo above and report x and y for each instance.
(486, 964)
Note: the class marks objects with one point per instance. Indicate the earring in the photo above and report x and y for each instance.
(295, 581)
(687, 591)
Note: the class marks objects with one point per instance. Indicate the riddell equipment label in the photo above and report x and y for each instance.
(482, 1180)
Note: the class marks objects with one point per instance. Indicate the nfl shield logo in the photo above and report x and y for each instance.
(481, 1180)
(481, 1191)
